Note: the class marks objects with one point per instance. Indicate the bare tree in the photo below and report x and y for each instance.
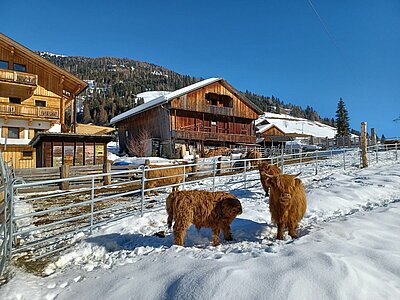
(137, 145)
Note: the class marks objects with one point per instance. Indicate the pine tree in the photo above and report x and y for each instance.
(86, 113)
(342, 119)
(383, 139)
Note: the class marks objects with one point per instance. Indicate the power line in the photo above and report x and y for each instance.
(331, 37)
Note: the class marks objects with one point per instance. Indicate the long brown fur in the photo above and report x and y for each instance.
(216, 210)
(176, 174)
(267, 169)
(287, 203)
(254, 154)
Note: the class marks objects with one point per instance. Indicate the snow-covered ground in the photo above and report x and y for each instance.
(348, 248)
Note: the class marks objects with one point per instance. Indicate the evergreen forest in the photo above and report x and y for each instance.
(115, 82)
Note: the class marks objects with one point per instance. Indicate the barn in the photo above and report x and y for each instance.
(209, 113)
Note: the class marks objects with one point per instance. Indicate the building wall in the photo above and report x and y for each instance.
(196, 101)
(27, 116)
(154, 121)
(21, 156)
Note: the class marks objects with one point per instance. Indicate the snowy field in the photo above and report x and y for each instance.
(348, 248)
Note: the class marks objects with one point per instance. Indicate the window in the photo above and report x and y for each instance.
(19, 68)
(13, 132)
(40, 103)
(4, 64)
(27, 154)
(15, 100)
(219, 100)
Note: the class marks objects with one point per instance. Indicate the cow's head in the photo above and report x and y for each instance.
(230, 206)
(283, 185)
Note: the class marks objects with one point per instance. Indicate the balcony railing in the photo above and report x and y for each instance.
(18, 77)
(29, 111)
(213, 136)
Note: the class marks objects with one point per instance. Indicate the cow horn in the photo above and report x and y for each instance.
(298, 174)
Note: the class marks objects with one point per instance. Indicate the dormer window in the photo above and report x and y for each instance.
(219, 100)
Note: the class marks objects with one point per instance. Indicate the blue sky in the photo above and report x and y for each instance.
(268, 47)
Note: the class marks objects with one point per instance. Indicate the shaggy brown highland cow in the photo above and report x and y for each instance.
(203, 209)
(254, 154)
(287, 203)
(265, 168)
(173, 175)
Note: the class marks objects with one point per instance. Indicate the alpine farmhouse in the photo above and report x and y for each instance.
(35, 95)
(209, 113)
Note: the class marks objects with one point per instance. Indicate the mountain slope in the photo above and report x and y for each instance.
(115, 82)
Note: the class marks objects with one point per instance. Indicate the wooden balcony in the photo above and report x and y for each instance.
(29, 111)
(15, 77)
(213, 136)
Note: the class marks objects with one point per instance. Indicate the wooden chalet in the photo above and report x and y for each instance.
(208, 113)
(34, 96)
(270, 135)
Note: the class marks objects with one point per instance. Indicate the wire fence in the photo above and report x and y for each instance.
(40, 224)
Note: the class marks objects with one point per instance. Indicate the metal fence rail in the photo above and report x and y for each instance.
(48, 222)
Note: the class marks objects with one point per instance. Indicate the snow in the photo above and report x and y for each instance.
(289, 124)
(150, 95)
(348, 248)
(43, 53)
(56, 128)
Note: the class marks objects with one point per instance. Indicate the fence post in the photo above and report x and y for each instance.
(10, 192)
(301, 154)
(184, 177)
(219, 165)
(91, 205)
(142, 191)
(107, 169)
(213, 172)
(282, 160)
(364, 144)
(316, 162)
(344, 159)
(395, 145)
(245, 174)
(64, 172)
(376, 153)
(195, 166)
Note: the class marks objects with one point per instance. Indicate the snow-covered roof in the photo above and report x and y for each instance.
(151, 95)
(289, 124)
(163, 99)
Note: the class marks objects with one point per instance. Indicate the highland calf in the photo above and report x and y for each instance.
(267, 169)
(216, 210)
(287, 202)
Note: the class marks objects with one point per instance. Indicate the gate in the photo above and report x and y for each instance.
(5, 215)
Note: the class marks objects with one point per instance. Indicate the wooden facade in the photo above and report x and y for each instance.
(213, 114)
(273, 136)
(34, 95)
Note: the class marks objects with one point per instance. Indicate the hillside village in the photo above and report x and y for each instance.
(202, 114)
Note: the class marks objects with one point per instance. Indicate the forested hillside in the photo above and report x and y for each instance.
(115, 82)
